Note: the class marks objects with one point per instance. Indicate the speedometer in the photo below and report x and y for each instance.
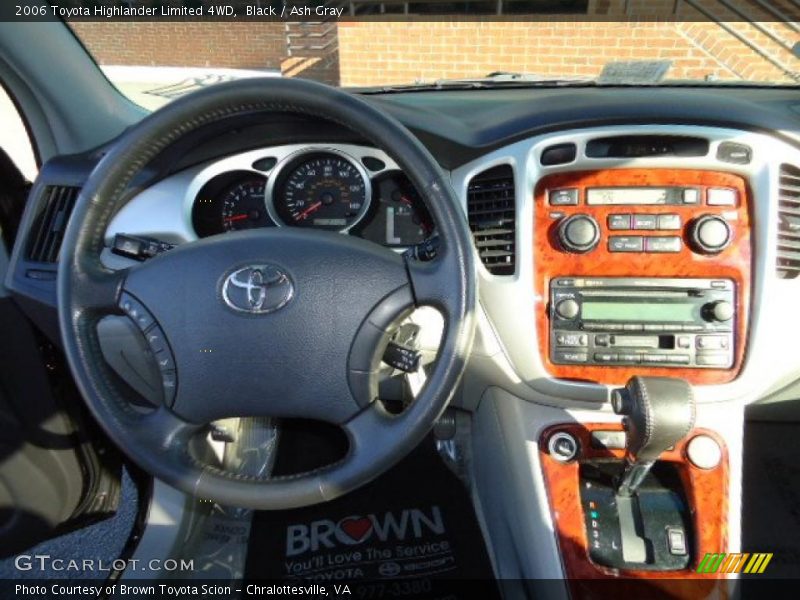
(324, 190)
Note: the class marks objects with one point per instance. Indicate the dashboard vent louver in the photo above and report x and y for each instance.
(789, 222)
(56, 205)
(491, 210)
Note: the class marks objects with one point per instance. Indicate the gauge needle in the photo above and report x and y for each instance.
(237, 218)
(309, 210)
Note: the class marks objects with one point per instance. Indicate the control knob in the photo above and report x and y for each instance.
(710, 234)
(568, 309)
(578, 233)
(721, 311)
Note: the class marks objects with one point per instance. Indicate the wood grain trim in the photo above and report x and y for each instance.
(707, 495)
(549, 261)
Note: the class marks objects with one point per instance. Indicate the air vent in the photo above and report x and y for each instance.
(789, 222)
(491, 212)
(47, 232)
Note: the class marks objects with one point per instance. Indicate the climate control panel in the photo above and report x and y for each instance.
(643, 224)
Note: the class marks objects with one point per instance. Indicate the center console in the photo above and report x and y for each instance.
(642, 271)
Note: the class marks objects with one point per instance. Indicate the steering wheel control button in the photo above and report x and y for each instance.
(401, 357)
(568, 309)
(156, 340)
(563, 447)
(138, 248)
(663, 244)
(704, 452)
(722, 197)
(165, 361)
(136, 311)
(169, 383)
(710, 234)
(578, 233)
(625, 243)
(565, 197)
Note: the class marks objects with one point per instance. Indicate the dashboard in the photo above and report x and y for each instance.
(349, 189)
(673, 241)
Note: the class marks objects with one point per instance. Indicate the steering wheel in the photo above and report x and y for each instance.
(276, 322)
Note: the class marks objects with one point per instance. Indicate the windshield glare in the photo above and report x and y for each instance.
(155, 61)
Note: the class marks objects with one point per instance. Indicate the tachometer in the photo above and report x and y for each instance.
(244, 207)
(325, 190)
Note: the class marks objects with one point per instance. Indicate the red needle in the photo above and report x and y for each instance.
(309, 210)
(237, 218)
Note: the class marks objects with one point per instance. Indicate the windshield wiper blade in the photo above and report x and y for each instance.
(493, 81)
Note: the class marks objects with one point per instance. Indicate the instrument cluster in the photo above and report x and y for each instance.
(323, 188)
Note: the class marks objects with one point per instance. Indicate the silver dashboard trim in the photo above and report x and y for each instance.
(509, 300)
(164, 210)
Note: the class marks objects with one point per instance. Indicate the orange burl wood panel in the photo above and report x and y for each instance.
(550, 261)
(706, 493)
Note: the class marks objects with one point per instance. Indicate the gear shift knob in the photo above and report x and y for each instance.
(659, 412)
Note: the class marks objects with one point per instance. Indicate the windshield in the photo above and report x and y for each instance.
(512, 42)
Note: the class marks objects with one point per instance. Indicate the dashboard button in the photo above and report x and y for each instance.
(571, 357)
(678, 359)
(605, 357)
(619, 221)
(648, 222)
(572, 340)
(713, 360)
(624, 243)
(633, 327)
(559, 154)
(653, 327)
(565, 197)
(712, 342)
(669, 222)
(654, 358)
(684, 342)
(722, 197)
(731, 152)
(691, 196)
(601, 339)
(630, 358)
(663, 244)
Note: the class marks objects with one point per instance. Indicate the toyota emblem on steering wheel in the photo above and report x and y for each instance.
(257, 289)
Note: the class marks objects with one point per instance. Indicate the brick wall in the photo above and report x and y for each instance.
(376, 53)
(232, 45)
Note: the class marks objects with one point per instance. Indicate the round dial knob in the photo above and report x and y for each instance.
(721, 311)
(567, 309)
(578, 233)
(710, 234)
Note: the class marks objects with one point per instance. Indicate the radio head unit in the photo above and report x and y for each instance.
(648, 321)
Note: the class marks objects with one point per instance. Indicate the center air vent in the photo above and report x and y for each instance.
(47, 233)
(492, 215)
(789, 222)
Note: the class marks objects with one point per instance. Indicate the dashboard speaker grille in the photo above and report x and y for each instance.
(55, 207)
(491, 210)
(789, 222)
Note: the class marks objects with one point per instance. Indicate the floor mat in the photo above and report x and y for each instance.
(415, 524)
(771, 495)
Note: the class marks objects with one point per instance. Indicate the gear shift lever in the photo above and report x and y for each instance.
(659, 412)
